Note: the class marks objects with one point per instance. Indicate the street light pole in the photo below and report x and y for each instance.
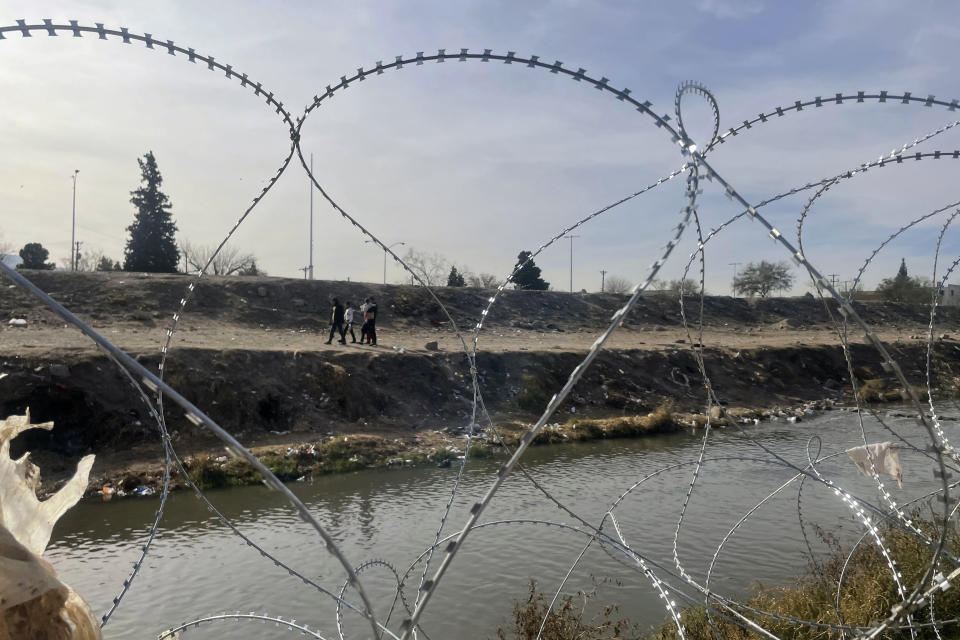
(603, 278)
(571, 260)
(310, 266)
(73, 231)
(385, 249)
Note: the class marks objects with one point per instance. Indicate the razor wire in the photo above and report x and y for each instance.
(695, 163)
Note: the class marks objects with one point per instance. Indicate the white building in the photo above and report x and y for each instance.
(951, 295)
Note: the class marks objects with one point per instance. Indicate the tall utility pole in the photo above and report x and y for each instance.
(603, 278)
(76, 253)
(310, 266)
(571, 260)
(73, 231)
(734, 286)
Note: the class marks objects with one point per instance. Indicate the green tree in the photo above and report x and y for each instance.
(528, 274)
(105, 264)
(252, 270)
(482, 280)
(151, 246)
(455, 278)
(903, 288)
(35, 257)
(760, 279)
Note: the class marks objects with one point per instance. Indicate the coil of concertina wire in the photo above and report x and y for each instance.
(672, 582)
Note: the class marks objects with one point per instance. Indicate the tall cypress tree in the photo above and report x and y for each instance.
(455, 278)
(151, 246)
(528, 275)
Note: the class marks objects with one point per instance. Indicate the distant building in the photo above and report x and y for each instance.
(11, 259)
(951, 295)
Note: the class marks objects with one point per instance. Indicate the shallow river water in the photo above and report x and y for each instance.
(198, 567)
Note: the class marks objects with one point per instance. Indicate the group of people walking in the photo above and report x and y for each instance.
(343, 317)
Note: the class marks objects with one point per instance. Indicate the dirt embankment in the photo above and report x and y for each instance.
(249, 352)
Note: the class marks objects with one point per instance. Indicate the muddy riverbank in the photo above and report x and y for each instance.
(250, 353)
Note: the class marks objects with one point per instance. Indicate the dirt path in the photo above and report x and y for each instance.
(204, 333)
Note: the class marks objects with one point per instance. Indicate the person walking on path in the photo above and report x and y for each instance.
(336, 322)
(363, 316)
(348, 318)
(370, 320)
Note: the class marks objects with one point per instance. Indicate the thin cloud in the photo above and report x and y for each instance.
(731, 9)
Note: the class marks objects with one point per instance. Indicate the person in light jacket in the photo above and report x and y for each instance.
(348, 318)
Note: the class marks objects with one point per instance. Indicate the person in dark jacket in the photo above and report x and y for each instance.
(336, 323)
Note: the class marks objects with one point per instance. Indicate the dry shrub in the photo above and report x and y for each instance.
(872, 390)
(207, 473)
(570, 619)
(413, 302)
(869, 592)
(536, 391)
(661, 419)
(877, 390)
(480, 450)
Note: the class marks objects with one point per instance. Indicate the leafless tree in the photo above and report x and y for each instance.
(482, 280)
(5, 245)
(431, 267)
(690, 286)
(228, 262)
(86, 260)
(616, 284)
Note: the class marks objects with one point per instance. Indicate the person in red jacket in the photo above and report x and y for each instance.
(370, 322)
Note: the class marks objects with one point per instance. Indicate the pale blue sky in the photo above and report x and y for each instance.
(478, 161)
